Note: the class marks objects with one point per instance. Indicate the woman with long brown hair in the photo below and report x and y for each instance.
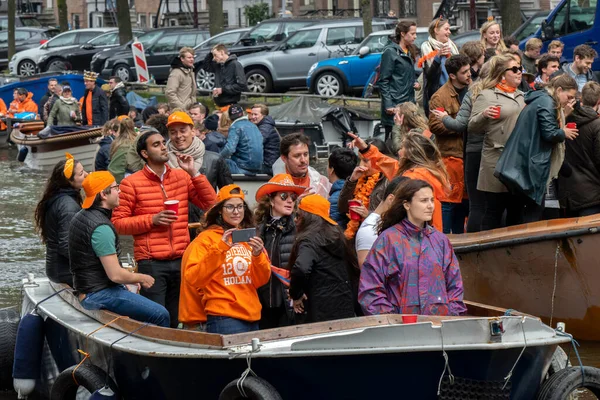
(219, 277)
(409, 255)
(497, 103)
(120, 147)
(535, 151)
(419, 158)
(59, 204)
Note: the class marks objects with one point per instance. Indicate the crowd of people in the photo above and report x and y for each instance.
(500, 131)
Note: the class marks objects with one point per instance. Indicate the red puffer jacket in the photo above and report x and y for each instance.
(142, 196)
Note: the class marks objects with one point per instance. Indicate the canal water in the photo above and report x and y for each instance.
(21, 251)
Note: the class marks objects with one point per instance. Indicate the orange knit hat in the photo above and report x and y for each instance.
(317, 205)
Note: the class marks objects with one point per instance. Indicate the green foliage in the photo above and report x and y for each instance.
(256, 13)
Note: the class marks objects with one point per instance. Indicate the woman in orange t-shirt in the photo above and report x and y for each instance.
(220, 278)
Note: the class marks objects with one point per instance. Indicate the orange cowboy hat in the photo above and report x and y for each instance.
(279, 183)
(317, 205)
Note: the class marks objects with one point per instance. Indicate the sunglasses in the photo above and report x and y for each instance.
(284, 196)
(515, 69)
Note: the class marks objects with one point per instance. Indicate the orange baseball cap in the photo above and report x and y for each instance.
(317, 205)
(225, 193)
(93, 184)
(279, 183)
(179, 117)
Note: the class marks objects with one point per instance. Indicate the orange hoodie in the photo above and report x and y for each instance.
(389, 167)
(220, 280)
(28, 105)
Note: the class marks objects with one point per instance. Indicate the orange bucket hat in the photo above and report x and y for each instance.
(179, 117)
(317, 205)
(279, 183)
(93, 184)
(225, 193)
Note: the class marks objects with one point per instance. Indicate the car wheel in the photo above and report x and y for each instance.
(122, 71)
(259, 81)
(205, 80)
(57, 65)
(26, 68)
(329, 84)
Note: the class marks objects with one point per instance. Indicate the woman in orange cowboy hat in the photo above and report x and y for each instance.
(219, 278)
(274, 216)
(324, 269)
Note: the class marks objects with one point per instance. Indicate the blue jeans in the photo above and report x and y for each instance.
(234, 169)
(121, 301)
(227, 325)
(453, 216)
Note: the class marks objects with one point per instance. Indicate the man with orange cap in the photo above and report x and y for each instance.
(94, 251)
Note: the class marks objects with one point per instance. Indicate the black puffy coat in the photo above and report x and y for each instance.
(118, 103)
(278, 236)
(99, 107)
(230, 77)
(321, 272)
(271, 140)
(103, 155)
(60, 210)
(582, 189)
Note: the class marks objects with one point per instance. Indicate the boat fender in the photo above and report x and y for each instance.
(559, 361)
(89, 376)
(28, 353)
(22, 154)
(566, 381)
(255, 388)
(9, 323)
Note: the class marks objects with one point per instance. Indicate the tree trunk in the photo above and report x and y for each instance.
(12, 10)
(63, 18)
(215, 16)
(510, 10)
(124, 21)
(365, 10)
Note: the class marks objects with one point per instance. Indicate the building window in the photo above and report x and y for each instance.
(76, 24)
(142, 21)
(152, 20)
(98, 21)
(410, 8)
(172, 22)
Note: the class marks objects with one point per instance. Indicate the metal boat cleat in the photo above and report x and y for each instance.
(496, 330)
(30, 282)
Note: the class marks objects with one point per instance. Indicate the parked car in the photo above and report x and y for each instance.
(530, 26)
(24, 62)
(25, 38)
(287, 64)
(465, 37)
(344, 75)
(29, 21)
(79, 58)
(206, 80)
(160, 52)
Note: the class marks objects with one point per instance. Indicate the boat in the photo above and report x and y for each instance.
(357, 358)
(44, 153)
(549, 269)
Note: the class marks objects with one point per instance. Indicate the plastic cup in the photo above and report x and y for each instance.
(440, 109)
(497, 109)
(409, 319)
(172, 205)
(353, 215)
(571, 125)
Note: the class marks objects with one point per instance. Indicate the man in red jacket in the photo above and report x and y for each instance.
(160, 235)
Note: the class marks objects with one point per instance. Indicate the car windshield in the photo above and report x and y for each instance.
(375, 43)
(105, 39)
(264, 32)
(149, 37)
(31, 22)
(532, 26)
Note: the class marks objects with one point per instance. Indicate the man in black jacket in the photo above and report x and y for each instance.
(259, 115)
(94, 110)
(118, 101)
(230, 79)
(52, 82)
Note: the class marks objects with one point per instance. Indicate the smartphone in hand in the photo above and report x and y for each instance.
(242, 235)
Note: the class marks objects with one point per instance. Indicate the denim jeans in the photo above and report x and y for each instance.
(121, 301)
(228, 326)
(453, 216)
(476, 197)
(167, 281)
(234, 169)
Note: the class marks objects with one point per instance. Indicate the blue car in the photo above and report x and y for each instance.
(344, 75)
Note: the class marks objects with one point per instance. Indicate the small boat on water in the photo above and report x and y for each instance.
(549, 269)
(358, 358)
(44, 153)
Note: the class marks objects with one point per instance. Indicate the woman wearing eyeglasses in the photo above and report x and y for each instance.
(220, 278)
(274, 217)
(496, 106)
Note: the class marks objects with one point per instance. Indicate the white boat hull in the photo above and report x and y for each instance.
(46, 160)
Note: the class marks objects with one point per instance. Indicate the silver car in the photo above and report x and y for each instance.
(287, 64)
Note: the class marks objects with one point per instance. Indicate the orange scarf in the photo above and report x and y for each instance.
(427, 57)
(505, 88)
(362, 192)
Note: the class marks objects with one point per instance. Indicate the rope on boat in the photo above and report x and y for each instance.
(446, 364)
(48, 298)
(23, 139)
(554, 286)
(106, 385)
(507, 377)
(240, 382)
(574, 345)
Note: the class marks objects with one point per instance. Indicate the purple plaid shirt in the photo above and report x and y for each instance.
(411, 270)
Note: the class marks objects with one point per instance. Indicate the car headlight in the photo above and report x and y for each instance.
(13, 58)
(312, 69)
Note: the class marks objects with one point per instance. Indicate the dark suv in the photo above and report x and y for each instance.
(160, 46)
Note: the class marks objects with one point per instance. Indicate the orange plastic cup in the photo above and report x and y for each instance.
(172, 205)
(571, 125)
(353, 215)
(497, 108)
(409, 319)
(440, 109)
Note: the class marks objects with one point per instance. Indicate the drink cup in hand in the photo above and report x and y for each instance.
(353, 215)
(172, 205)
(497, 110)
(571, 125)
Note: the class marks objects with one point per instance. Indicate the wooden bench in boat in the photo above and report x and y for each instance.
(201, 339)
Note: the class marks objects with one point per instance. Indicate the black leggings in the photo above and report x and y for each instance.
(496, 204)
(476, 197)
